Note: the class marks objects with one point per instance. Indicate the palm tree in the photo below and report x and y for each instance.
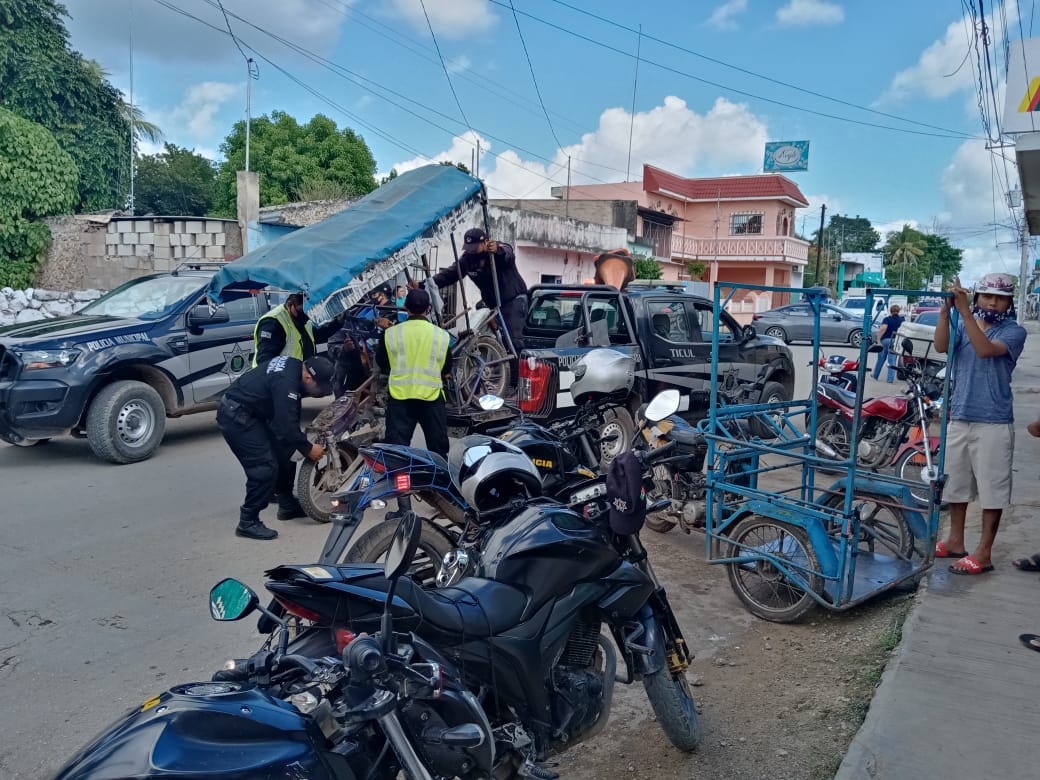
(906, 247)
(131, 114)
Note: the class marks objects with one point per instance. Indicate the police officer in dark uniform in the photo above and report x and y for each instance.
(475, 263)
(259, 417)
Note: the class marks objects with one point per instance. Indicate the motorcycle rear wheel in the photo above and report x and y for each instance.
(374, 544)
(763, 588)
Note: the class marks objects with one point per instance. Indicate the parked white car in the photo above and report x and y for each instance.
(922, 333)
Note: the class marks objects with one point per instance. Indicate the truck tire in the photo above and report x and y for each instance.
(126, 422)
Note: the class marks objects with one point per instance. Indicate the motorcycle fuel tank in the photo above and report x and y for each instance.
(546, 548)
(888, 407)
(205, 731)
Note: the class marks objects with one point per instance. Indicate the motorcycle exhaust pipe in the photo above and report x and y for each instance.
(825, 449)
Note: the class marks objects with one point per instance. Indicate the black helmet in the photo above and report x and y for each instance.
(490, 473)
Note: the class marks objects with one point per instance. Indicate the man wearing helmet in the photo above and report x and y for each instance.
(981, 436)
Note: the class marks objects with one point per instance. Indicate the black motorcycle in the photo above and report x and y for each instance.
(377, 706)
(525, 628)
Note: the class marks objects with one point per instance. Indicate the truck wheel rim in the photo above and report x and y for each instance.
(135, 423)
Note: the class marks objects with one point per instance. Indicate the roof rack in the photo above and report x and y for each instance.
(199, 265)
(658, 283)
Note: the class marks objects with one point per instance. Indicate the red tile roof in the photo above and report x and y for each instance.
(763, 185)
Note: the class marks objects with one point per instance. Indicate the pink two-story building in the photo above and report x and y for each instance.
(741, 228)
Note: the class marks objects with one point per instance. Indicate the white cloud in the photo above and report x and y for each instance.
(727, 138)
(450, 18)
(803, 13)
(724, 17)
(459, 64)
(192, 121)
(940, 71)
(101, 29)
(461, 151)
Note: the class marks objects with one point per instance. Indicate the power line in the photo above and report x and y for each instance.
(534, 78)
(739, 69)
(444, 65)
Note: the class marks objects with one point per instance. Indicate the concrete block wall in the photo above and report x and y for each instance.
(103, 252)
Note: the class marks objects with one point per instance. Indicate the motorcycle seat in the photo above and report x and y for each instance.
(684, 433)
(473, 607)
(839, 394)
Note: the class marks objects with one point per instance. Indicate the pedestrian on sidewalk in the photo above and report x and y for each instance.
(886, 336)
(1032, 563)
(980, 437)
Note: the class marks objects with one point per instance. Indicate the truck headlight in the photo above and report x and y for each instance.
(47, 358)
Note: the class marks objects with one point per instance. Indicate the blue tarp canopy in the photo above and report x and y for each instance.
(336, 261)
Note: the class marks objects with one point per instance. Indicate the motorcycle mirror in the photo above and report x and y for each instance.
(490, 403)
(662, 405)
(403, 546)
(231, 600)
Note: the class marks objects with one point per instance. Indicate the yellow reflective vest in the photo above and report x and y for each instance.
(416, 349)
(293, 341)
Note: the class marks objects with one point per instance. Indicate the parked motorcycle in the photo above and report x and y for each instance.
(893, 430)
(565, 453)
(377, 706)
(525, 629)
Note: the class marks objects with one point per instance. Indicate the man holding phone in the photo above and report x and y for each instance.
(980, 438)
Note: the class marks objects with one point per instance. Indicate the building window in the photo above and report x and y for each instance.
(745, 224)
(551, 279)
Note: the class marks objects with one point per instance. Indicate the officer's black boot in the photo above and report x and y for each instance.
(289, 508)
(250, 527)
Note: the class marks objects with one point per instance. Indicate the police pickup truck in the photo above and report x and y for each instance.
(150, 349)
(666, 330)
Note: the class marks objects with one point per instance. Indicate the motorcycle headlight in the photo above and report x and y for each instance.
(34, 359)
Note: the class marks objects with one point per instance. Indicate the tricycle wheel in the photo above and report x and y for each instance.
(883, 527)
(764, 588)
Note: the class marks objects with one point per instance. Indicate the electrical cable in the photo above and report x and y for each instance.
(739, 69)
(444, 65)
(534, 78)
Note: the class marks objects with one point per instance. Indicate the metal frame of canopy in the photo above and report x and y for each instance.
(337, 261)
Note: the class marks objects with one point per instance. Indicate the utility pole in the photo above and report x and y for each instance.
(1023, 270)
(252, 73)
(819, 246)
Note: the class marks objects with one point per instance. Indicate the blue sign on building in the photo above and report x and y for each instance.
(786, 156)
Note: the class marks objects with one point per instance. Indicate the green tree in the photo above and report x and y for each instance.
(696, 268)
(45, 81)
(177, 181)
(851, 234)
(293, 159)
(646, 267)
(903, 251)
(37, 179)
(940, 259)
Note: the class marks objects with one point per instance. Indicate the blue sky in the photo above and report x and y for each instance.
(885, 91)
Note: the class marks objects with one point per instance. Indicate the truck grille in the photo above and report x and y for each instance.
(8, 365)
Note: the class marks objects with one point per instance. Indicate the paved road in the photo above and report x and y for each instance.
(104, 572)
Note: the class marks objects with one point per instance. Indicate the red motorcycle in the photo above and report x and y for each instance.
(893, 430)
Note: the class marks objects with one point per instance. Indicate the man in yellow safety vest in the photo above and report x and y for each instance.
(285, 330)
(415, 356)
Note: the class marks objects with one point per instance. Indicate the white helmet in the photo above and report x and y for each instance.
(996, 284)
(601, 373)
(492, 473)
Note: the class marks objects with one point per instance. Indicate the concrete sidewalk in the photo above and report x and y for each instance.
(960, 695)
